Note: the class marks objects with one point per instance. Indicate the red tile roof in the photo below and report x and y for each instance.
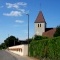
(40, 18)
(49, 33)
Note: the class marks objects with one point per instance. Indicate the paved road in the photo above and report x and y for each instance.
(4, 55)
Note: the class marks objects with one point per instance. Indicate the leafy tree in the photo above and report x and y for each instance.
(11, 41)
(37, 37)
(2, 46)
(57, 33)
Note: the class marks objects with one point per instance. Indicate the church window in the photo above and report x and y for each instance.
(40, 25)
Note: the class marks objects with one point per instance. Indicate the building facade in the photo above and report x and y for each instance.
(40, 24)
(40, 27)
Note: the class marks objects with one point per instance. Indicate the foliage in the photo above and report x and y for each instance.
(47, 48)
(2, 46)
(57, 33)
(38, 37)
(11, 41)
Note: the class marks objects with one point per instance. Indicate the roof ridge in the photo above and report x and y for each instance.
(40, 18)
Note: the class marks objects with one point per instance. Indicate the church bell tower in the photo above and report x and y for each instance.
(40, 24)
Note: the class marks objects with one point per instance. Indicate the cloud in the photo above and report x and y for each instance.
(21, 3)
(13, 13)
(9, 5)
(22, 10)
(19, 21)
(16, 5)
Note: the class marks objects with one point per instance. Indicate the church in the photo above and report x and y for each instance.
(40, 29)
(41, 26)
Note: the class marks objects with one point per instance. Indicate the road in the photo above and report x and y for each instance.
(4, 55)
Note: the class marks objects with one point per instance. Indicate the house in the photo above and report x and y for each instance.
(40, 27)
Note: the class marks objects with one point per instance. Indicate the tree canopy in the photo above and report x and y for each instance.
(38, 37)
(11, 41)
(57, 33)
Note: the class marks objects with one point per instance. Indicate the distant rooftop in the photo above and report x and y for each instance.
(50, 33)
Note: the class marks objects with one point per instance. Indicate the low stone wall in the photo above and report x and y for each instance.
(19, 49)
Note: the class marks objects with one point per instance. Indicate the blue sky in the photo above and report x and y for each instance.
(13, 19)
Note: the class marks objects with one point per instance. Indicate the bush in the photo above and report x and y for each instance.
(57, 33)
(38, 37)
(47, 48)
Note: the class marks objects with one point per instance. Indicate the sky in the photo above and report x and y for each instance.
(13, 18)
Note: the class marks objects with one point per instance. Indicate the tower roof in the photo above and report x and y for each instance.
(40, 18)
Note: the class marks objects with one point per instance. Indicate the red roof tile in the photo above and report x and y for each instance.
(49, 33)
(40, 18)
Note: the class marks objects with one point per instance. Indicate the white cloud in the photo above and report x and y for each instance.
(22, 3)
(9, 5)
(22, 10)
(13, 13)
(16, 5)
(19, 21)
(27, 12)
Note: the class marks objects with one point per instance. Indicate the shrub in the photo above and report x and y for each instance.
(38, 37)
(47, 48)
(57, 33)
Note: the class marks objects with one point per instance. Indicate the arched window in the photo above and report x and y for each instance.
(38, 25)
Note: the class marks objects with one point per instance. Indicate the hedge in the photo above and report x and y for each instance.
(47, 48)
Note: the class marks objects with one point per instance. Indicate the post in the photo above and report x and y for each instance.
(8, 40)
(28, 33)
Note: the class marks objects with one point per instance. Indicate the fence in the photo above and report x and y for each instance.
(19, 49)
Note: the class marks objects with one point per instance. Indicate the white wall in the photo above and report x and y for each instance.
(19, 49)
(26, 50)
(39, 30)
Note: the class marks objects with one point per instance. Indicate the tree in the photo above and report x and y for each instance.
(57, 33)
(38, 37)
(11, 41)
(2, 46)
